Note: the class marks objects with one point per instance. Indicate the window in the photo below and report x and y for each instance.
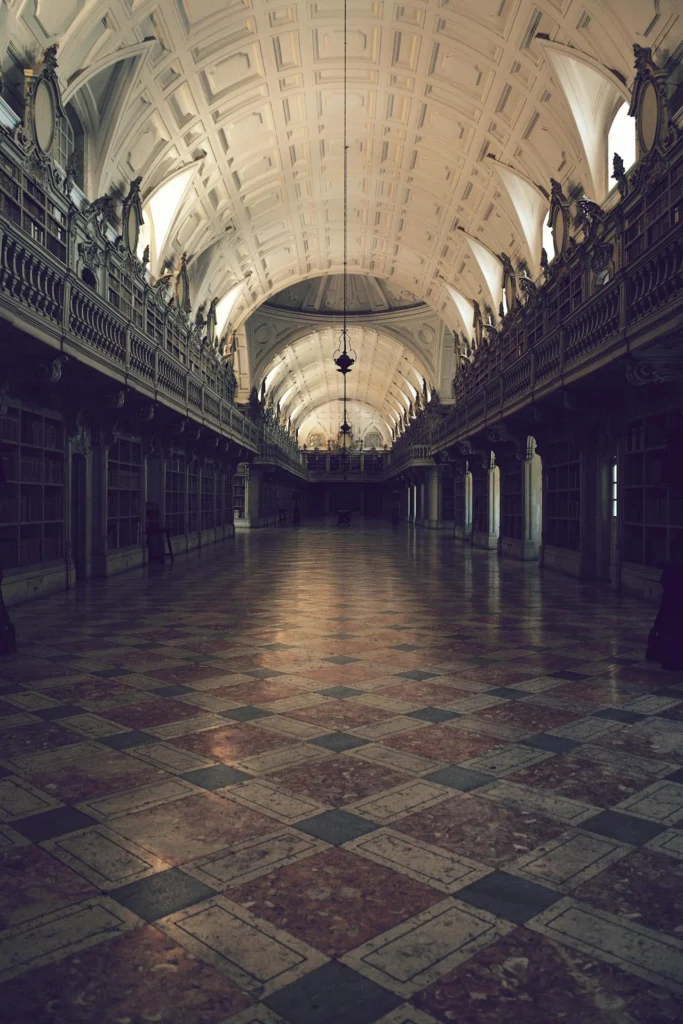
(613, 487)
(621, 139)
(64, 142)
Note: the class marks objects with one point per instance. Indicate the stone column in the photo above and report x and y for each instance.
(253, 498)
(533, 502)
(494, 504)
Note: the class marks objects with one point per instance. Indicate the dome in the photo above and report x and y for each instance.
(325, 295)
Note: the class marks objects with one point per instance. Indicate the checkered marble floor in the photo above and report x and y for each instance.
(337, 776)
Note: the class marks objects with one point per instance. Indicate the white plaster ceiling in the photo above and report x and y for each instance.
(441, 94)
(303, 377)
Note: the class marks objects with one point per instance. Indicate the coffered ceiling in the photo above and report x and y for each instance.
(460, 111)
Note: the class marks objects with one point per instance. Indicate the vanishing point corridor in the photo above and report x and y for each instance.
(328, 776)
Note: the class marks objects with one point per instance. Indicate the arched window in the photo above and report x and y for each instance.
(69, 141)
(372, 440)
(315, 440)
(621, 138)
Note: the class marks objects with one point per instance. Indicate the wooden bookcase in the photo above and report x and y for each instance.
(459, 500)
(447, 500)
(32, 498)
(124, 494)
(208, 497)
(480, 501)
(176, 490)
(562, 496)
(652, 514)
(511, 501)
(127, 295)
(239, 496)
(192, 495)
(25, 204)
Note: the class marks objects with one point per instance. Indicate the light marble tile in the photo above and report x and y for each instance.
(104, 858)
(406, 1015)
(253, 858)
(258, 1014)
(650, 704)
(506, 759)
(8, 837)
(290, 727)
(627, 761)
(417, 952)
(208, 701)
(31, 701)
(468, 705)
(670, 842)
(585, 729)
(389, 727)
(253, 953)
(139, 799)
(376, 700)
(662, 801)
(300, 700)
(19, 798)
(398, 759)
(569, 861)
(395, 803)
(428, 864)
(186, 725)
(171, 759)
(92, 725)
(650, 955)
(36, 762)
(263, 796)
(528, 799)
(60, 934)
(284, 757)
(10, 722)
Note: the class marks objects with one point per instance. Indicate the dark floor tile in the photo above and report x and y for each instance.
(4, 772)
(417, 675)
(332, 994)
(433, 715)
(617, 715)
(676, 776)
(278, 647)
(262, 673)
(622, 827)
(341, 692)
(245, 714)
(568, 675)
(59, 711)
(554, 744)
(460, 778)
(404, 647)
(111, 673)
(162, 894)
(216, 777)
(174, 690)
(339, 636)
(513, 899)
(341, 659)
(336, 826)
(50, 824)
(338, 741)
(511, 692)
(126, 740)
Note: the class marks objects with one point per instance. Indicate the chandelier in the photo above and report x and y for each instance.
(344, 356)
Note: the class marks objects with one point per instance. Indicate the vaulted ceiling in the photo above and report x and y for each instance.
(460, 111)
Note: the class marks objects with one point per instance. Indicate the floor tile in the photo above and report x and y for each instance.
(140, 975)
(554, 744)
(338, 780)
(126, 740)
(623, 827)
(336, 827)
(341, 692)
(245, 714)
(217, 777)
(48, 824)
(505, 896)
(33, 883)
(333, 994)
(58, 711)
(339, 741)
(334, 900)
(433, 715)
(463, 779)
(161, 894)
(526, 977)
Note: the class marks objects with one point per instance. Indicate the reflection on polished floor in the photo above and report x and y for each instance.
(340, 776)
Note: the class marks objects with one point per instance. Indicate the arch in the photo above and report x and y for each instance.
(160, 212)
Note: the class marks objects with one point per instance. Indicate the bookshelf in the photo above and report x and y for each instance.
(32, 497)
(208, 497)
(562, 496)
(26, 205)
(480, 501)
(511, 501)
(239, 496)
(175, 494)
(192, 495)
(124, 494)
(652, 513)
